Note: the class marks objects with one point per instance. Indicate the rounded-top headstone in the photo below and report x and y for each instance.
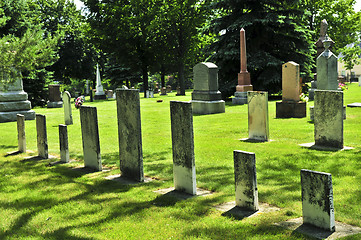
(205, 76)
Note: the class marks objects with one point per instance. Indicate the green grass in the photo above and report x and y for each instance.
(40, 201)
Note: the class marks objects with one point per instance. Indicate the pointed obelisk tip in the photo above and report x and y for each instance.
(242, 30)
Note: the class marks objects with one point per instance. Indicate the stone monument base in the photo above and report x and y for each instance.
(290, 109)
(55, 104)
(208, 107)
(11, 116)
(100, 97)
(312, 113)
(240, 98)
(311, 94)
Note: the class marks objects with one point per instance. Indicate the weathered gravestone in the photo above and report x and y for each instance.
(258, 128)
(184, 171)
(63, 143)
(42, 139)
(328, 119)
(99, 93)
(13, 101)
(90, 136)
(244, 78)
(245, 180)
(163, 91)
(68, 117)
(327, 68)
(130, 134)
(291, 106)
(54, 97)
(21, 133)
(317, 199)
(206, 99)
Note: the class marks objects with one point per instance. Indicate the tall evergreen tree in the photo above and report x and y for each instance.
(275, 34)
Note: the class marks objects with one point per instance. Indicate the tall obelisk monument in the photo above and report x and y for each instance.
(244, 78)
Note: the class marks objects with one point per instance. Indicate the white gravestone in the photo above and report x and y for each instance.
(184, 171)
(99, 94)
(63, 142)
(317, 199)
(246, 180)
(68, 117)
(258, 128)
(90, 136)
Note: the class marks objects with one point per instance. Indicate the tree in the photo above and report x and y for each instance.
(351, 56)
(124, 28)
(275, 34)
(344, 23)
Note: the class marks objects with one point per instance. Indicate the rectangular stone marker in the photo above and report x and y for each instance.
(317, 199)
(258, 116)
(245, 180)
(359, 81)
(328, 118)
(130, 134)
(68, 118)
(42, 139)
(21, 132)
(90, 136)
(291, 82)
(184, 171)
(63, 142)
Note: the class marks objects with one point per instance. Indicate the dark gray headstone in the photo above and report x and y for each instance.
(317, 199)
(245, 180)
(184, 171)
(328, 117)
(21, 133)
(63, 142)
(90, 136)
(42, 139)
(130, 134)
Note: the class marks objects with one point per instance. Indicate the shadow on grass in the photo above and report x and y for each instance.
(7, 146)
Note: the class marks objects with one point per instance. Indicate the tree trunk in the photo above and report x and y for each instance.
(145, 79)
(181, 78)
(162, 76)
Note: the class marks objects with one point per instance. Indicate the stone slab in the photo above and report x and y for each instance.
(130, 134)
(245, 180)
(317, 199)
(258, 126)
(15, 106)
(21, 133)
(208, 107)
(291, 109)
(291, 82)
(312, 113)
(100, 97)
(11, 116)
(206, 95)
(184, 172)
(182, 195)
(68, 117)
(13, 96)
(342, 229)
(327, 71)
(323, 148)
(328, 118)
(54, 104)
(63, 143)
(354, 105)
(230, 209)
(42, 139)
(90, 137)
(205, 76)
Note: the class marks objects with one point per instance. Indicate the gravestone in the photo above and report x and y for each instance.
(54, 96)
(328, 113)
(90, 137)
(110, 94)
(163, 91)
(327, 68)
(42, 139)
(149, 94)
(21, 133)
(68, 117)
(317, 199)
(206, 98)
(244, 78)
(63, 143)
(245, 180)
(359, 81)
(13, 101)
(130, 134)
(291, 106)
(311, 91)
(169, 89)
(184, 171)
(258, 128)
(99, 93)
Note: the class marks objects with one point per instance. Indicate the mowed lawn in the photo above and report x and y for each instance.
(43, 201)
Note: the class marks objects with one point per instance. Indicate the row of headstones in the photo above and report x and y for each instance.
(317, 195)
